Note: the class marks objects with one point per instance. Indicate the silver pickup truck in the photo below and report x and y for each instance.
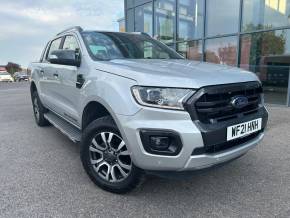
(137, 106)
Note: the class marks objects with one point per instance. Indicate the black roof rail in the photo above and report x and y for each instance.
(140, 33)
(77, 28)
(146, 34)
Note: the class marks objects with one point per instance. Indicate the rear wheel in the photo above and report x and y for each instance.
(106, 158)
(39, 110)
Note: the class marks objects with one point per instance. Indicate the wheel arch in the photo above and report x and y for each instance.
(92, 111)
(32, 87)
(95, 109)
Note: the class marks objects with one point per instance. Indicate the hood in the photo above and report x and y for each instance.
(176, 73)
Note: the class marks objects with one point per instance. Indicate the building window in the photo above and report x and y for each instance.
(165, 20)
(190, 19)
(144, 19)
(191, 50)
(222, 17)
(221, 50)
(268, 55)
(265, 14)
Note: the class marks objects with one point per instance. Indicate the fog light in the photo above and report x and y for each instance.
(159, 142)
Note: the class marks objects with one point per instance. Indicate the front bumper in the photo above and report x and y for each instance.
(191, 137)
(205, 161)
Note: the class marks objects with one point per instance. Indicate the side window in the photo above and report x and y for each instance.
(54, 45)
(70, 43)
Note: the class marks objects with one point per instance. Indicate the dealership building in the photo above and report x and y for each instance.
(250, 34)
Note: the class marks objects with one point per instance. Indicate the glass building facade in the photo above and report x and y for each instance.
(122, 26)
(250, 34)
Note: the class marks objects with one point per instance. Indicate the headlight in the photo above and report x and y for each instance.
(167, 98)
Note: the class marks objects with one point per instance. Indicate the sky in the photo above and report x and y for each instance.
(27, 25)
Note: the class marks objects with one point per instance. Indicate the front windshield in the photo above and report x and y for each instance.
(109, 46)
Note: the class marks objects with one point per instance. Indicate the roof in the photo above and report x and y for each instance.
(79, 29)
(116, 32)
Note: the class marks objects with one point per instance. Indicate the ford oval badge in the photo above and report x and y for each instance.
(239, 102)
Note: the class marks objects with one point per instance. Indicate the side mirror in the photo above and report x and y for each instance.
(65, 57)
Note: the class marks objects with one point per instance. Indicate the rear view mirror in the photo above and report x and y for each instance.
(65, 57)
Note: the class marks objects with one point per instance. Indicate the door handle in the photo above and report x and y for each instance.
(42, 72)
(55, 75)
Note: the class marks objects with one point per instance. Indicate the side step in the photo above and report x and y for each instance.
(66, 128)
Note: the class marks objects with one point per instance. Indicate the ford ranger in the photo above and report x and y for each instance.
(137, 106)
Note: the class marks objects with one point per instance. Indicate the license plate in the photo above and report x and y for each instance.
(243, 129)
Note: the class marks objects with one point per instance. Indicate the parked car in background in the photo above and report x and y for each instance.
(5, 77)
(21, 76)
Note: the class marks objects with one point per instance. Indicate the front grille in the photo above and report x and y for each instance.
(214, 103)
(225, 146)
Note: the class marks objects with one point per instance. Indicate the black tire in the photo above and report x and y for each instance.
(97, 127)
(39, 110)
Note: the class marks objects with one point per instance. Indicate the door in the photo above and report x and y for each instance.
(68, 94)
(47, 80)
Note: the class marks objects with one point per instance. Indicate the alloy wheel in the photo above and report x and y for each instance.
(110, 157)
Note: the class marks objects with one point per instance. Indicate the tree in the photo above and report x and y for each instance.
(13, 67)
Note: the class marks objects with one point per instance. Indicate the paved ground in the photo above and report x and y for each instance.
(41, 175)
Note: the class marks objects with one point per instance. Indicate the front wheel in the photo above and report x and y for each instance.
(106, 158)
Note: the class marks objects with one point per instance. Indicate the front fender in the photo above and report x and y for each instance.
(112, 91)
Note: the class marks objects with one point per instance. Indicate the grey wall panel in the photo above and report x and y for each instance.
(141, 2)
(129, 3)
(134, 3)
(130, 20)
